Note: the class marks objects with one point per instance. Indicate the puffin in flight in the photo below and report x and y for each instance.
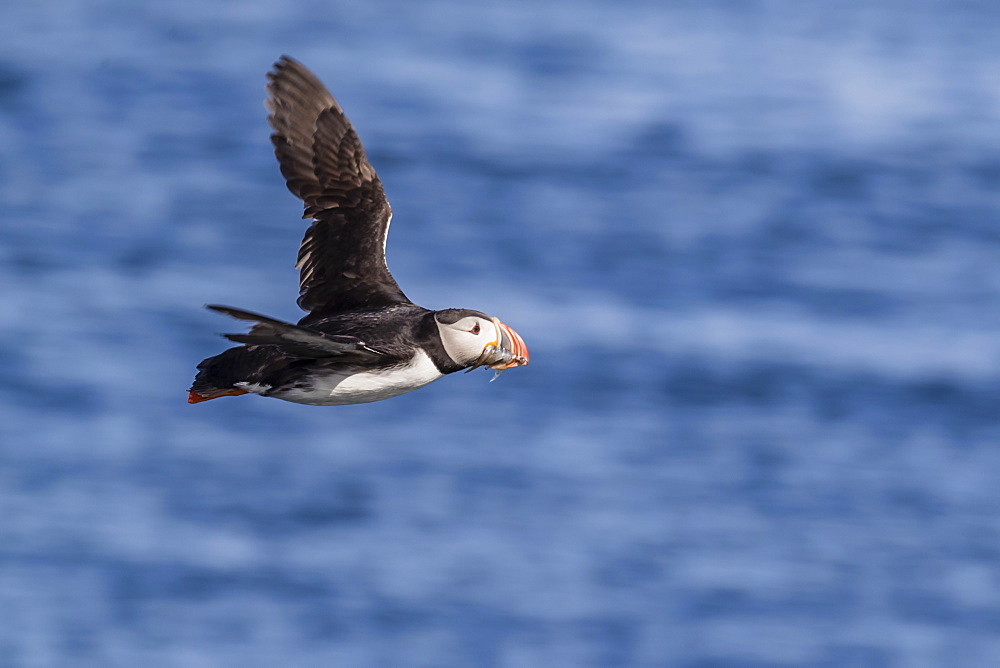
(362, 339)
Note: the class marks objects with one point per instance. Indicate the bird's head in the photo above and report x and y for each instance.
(473, 339)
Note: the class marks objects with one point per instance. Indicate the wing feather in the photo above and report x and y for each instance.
(294, 339)
(342, 256)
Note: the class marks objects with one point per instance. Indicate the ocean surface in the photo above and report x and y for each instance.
(754, 248)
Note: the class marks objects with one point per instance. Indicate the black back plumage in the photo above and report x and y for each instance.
(342, 255)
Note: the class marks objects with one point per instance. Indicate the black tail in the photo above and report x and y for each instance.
(218, 376)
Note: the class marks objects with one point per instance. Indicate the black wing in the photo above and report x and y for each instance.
(342, 256)
(295, 340)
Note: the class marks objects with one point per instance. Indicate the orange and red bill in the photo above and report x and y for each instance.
(512, 343)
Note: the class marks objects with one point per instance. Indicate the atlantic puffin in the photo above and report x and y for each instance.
(362, 340)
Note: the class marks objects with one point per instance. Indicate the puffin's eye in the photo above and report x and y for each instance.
(475, 330)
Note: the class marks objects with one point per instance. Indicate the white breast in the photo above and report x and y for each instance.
(365, 386)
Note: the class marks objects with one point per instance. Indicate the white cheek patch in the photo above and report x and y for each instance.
(459, 343)
(494, 338)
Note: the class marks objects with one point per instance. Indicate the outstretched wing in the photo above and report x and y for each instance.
(342, 256)
(294, 339)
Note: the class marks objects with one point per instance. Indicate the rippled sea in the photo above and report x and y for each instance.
(754, 248)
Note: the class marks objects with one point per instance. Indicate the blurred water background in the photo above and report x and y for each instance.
(754, 248)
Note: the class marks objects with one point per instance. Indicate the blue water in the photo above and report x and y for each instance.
(754, 248)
